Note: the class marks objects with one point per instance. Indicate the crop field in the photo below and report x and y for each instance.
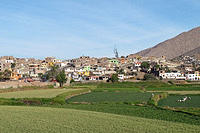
(102, 107)
(173, 87)
(138, 86)
(140, 111)
(40, 93)
(195, 111)
(179, 92)
(133, 84)
(101, 97)
(172, 101)
(51, 120)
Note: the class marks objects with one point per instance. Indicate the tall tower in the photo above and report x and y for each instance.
(116, 53)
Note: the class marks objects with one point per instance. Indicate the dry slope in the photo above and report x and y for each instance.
(179, 45)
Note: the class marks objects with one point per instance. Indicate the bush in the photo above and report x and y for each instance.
(114, 78)
(72, 81)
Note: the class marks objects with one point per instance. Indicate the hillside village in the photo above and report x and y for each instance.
(85, 68)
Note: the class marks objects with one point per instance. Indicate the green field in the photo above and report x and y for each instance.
(139, 111)
(51, 120)
(139, 86)
(102, 107)
(171, 101)
(40, 93)
(112, 97)
(178, 92)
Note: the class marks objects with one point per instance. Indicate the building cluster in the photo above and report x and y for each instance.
(86, 68)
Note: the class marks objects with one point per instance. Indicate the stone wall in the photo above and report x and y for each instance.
(17, 84)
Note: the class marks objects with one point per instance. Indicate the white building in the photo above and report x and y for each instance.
(193, 76)
(121, 76)
(9, 61)
(137, 64)
(172, 75)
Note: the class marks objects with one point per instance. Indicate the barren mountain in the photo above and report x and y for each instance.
(184, 43)
(193, 53)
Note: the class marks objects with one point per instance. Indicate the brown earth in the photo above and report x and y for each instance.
(177, 46)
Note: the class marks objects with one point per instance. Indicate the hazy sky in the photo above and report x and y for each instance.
(71, 28)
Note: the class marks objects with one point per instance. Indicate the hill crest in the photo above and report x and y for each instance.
(177, 46)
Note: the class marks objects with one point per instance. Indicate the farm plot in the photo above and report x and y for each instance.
(175, 101)
(178, 92)
(113, 97)
(51, 120)
(45, 93)
(141, 111)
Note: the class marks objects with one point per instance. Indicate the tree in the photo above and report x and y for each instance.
(25, 75)
(145, 66)
(194, 65)
(1, 76)
(167, 69)
(198, 69)
(114, 78)
(72, 81)
(155, 70)
(53, 72)
(13, 65)
(45, 77)
(61, 78)
(120, 71)
(40, 75)
(156, 66)
(7, 74)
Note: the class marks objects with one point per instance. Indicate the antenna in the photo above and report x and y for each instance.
(116, 52)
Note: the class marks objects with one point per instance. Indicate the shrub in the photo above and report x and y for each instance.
(114, 78)
(72, 81)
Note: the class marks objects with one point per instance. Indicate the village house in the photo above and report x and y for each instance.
(172, 75)
(193, 76)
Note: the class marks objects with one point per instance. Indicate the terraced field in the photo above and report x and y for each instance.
(40, 93)
(51, 120)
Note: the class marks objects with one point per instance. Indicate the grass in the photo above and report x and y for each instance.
(45, 93)
(61, 99)
(58, 99)
(51, 120)
(171, 101)
(112, 97)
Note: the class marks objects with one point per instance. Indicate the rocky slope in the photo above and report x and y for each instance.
(184, 43)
